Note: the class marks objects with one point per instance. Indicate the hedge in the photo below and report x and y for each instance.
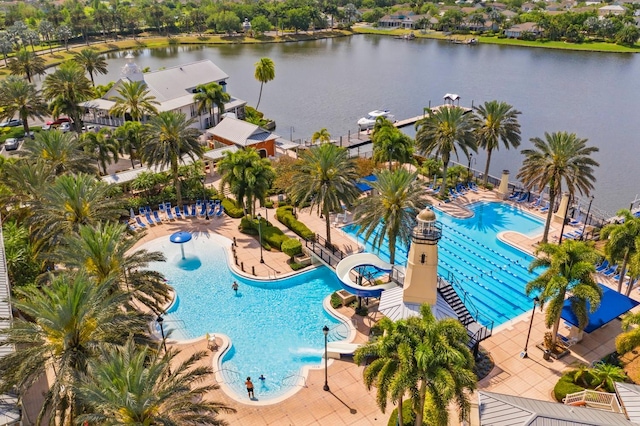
(232, 208)
(285, 215)
(291, 247)
(271, 235)
(565, 386)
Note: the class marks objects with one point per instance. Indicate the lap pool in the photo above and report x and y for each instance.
(492, 273)
(275, 326)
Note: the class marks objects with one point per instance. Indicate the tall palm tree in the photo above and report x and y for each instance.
(92, 62)
(265, 72)
(70, 319)
(443, 132)
(208, 96)
(129, 137)
(621, 242)
(390, 212)
(499, 123)
(247, 175)
(130, 385)
(67, 87)
(561, 158)
(324, 176)
(168, 137)
(105, 252)
(61, 151)
(27, 64)
(25, 183)
(322, 136)
(134, 99)
(569, 268)
(390, 144)
(102, 146)
(21, 98)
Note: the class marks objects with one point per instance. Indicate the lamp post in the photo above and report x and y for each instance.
(164, 341)
(469, 168)
(586, 219)
(260, 235)
(524, 354)
(204, 200)
(325, 330)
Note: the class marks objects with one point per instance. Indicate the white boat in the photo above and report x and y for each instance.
(369, 120)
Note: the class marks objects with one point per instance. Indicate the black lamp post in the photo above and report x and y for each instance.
(469, 168)
(204, 200)
(164, 340)
(586, 219)
(260, 235)
(524, 354)
(325, 330)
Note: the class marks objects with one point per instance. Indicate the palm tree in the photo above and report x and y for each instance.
(265, 72)
(209, 95)
(134, 99)
(321, 136)
(445, 131)
(389, 143)
(499, 123)
(129, 137)
(248, 177)
(621, 242)
(67, 87)
(21, 98)
(605, 375)
(105, 252)
(561, 158)
(69, 320)
(26, 183)
(629, 339)
(324, 176)
(390, 212)
(62, 152)
(104, 147)
(92, 62)
(168, 137)
(27, 64)
(130, 385)
(569, 268)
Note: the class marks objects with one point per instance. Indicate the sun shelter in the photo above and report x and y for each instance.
(180, 237)
(612, 305)
(363, 185)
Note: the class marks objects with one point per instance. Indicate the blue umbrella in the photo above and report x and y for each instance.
(180, 237)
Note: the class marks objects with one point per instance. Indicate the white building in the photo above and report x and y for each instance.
(173, 88)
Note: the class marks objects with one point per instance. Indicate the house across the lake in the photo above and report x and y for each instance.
(173, 88)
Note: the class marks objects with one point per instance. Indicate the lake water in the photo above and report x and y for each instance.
(332, 83)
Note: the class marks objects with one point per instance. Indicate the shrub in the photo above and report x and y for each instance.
(284, 214)
(271, 236)
(268, 204)
(247, 226)
(274, 236)
(565, 386)
(297, 266)
(362, 311)
(291, 247)
(408, 416)
(232, 208)
(336, 301)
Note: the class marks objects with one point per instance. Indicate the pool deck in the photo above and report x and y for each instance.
(349, 403)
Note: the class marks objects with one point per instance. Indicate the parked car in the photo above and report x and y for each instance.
(31, 135)
(91, 128)
(11, 144)
(14, 122)
(65, 127)
(55, 123)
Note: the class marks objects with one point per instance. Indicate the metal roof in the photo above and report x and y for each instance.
(129, 175)
(394, 308)
(629, 396)
(506, 410)
(240, 132)
(171, 83)
(218, 153)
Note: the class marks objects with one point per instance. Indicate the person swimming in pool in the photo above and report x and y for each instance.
(262, 377)
(234, 286)
(249, 385)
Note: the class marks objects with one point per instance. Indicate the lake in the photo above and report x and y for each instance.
(331, 83)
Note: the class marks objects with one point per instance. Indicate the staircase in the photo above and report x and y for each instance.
(451, 297)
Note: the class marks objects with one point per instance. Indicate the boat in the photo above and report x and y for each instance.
(408, 36)
(369, 120)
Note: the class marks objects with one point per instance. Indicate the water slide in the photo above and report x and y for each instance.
(362, 259)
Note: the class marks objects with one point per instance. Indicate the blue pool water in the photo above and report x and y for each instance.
(275, 326)
(492, 273)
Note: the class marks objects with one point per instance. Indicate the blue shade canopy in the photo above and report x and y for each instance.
(613, 305)
(362, 186)
(180, 237)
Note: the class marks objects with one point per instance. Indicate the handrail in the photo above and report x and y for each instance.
(591, 397)
(299, 376)
(222, 371)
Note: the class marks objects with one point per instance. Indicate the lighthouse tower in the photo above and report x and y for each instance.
(131, 70)
(421, 278)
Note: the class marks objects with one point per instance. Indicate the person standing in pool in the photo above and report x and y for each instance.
(234, 286)
(249, 385)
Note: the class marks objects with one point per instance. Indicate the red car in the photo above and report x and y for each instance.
(55, 123)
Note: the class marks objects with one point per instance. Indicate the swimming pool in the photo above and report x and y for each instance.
(275, 326)
(491, 272)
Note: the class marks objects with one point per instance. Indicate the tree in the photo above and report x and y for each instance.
(390, 212)
(325, 177)
(265, 72)
(569, 268)
(62, 152)
(47, 30)
(605, 375)
(208, 96)
(299, 18)
(139, 386)
(321, 136)
(21, 98)
(22, 265)
(65, 33)
(226, 21)
(71, 318)
(67, 87)
(498, 123)
(31, 37)
(629, 339)
(6, 47)
(260, 25)
(389, 143)
(620, 243)
(101, 145)
(247, 176)
(628, 35)
(27, 64)
(92, 62)
(167, 138)
(129, 137)
(134, 99)
(561, 158)
(444, 131)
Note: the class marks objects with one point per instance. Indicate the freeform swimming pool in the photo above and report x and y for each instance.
(275, 326)
(491, 272)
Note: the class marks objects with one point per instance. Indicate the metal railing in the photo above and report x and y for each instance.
(289, 381)
(594, 399)
(328, 253)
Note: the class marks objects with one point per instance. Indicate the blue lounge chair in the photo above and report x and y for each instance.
(545, 207)
(514, 195)
(212, 206)
(203, 209)
(193, 210)
(168, 211)
(185, 211)
(536, 203)
(603, 266)
(147, 215)
(609, 272)
(140, 222)
(220, 210)
(453, 193)
(522, 197)
(461, 188)
(178, 212)
(576, 221)
(156, 216)
(430, 187)
(472, 186)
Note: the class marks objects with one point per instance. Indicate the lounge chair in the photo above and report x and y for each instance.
(430, 187)
(193, 210)
(603, 266)
(168, 211)
(453, 193)
(514, 195)
(185, 211)
(567, 342)
(203, 209)
(522, 197)
(221, 210)
(575, 222)
(609, 272)
(140, 222)
(472, 186)
(156, 216)
(536, 203)
(212, 208)
(178, 212)
(545, 207)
